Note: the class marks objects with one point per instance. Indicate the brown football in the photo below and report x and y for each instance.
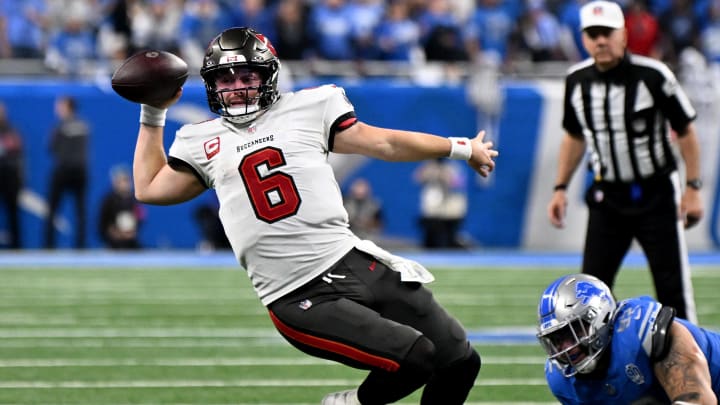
(150, 77)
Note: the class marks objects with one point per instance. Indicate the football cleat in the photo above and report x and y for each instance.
(348, 397)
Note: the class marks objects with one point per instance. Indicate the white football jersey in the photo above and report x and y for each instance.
(280, 204)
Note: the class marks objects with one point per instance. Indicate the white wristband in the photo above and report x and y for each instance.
(152, 116)
(460, 148)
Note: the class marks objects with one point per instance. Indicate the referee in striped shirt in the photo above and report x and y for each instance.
(624, 111)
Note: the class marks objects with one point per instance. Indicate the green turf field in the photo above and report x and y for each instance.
(179, 336)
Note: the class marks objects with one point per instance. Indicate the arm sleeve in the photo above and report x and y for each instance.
(661, 340)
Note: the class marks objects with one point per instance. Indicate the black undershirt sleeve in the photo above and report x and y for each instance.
(343, 122)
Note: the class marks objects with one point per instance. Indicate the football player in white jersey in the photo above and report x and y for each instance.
(328, 293)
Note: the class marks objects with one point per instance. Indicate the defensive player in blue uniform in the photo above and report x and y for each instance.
(630, 352)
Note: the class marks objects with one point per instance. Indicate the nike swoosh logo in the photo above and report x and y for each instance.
(328, 278)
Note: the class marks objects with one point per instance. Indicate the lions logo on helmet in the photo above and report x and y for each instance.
(574, 317)
(241, 48)
(586, 291)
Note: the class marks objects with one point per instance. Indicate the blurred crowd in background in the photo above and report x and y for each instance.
(67, 33)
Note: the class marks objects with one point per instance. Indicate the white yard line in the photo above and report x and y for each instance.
(86, 343)
(514, 382)
(244, 361)
(132, 332)
(315, 403)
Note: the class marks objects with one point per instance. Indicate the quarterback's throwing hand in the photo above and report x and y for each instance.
(482, 156)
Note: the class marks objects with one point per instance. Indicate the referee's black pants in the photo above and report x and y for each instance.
(648, 213)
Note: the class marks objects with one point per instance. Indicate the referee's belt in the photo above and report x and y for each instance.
(628, 194)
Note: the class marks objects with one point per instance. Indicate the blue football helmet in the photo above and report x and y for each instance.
(575, 316)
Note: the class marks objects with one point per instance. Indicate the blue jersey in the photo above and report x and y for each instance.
(630, 374)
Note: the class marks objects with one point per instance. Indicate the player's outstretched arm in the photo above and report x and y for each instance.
(155, 181)
(683, 373)
(406, 146)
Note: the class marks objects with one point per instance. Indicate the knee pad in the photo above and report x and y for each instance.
(421, 357)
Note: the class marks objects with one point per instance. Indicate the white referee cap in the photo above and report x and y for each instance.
(601, 14)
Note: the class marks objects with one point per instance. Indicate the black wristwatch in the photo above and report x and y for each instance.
(695, 184)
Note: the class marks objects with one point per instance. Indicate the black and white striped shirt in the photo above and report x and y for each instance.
(623, 114)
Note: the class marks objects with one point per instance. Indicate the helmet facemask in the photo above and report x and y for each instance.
(575, 318)
(254, 99)
(575, 347)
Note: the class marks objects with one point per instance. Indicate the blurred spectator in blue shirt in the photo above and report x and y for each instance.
(365, 16)
(710, 35)
(24, 23)
(397, 36)
(488, 31)
(292, 39)
(71, 47)
(680, 30)
(570, 21)
(701, 8)
(657, 7)
(332, 29)
(72, 44)
(155, 25)
(441, 33)
(256, 14)
(515, 8)
(436, 13)
(200, 23)
(541, 33)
